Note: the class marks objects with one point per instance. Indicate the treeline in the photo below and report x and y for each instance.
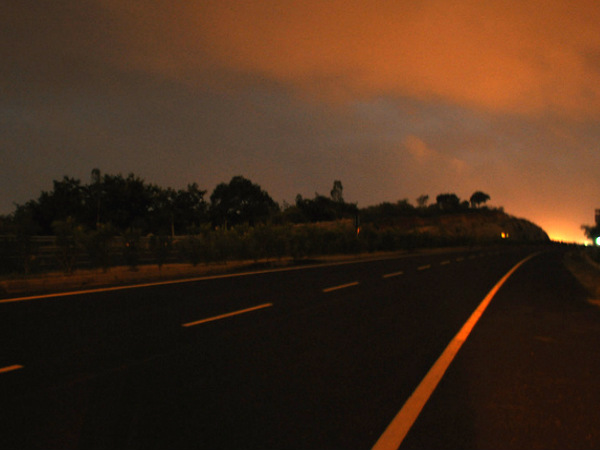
(124, 220)
(125, 203)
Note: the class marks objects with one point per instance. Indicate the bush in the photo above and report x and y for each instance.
(265, 242)
(132, 247)
(160, 246)
(16, 254)
(98, 246)
(68, 235)
(300, 244)
(192, 249)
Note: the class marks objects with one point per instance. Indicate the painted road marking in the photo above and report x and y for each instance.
(342, 286)
(443, 263)
(392, 437)
(460, 258)
(230, 314)
(395, 274)
(425, 267)
(10, 368)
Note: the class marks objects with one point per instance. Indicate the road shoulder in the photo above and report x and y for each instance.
(527, 376)
(586, 272)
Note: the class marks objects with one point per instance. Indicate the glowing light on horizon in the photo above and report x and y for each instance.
(569, 239)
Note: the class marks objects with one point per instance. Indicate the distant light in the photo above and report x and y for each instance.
(504, 235)
(598, 240)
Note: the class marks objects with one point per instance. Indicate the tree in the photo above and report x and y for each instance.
(337, 192)
(127, 202)
(190, 208)
(478, 198)
(24, 227)
(448, 202)
(323, 209)
(422, 201)
(68, 235)
(67, 199)
(95, 190)
(592, 232)
(240, 202)
(174, 212)
(97, 244)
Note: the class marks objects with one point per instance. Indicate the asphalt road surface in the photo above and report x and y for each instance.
(320, 357)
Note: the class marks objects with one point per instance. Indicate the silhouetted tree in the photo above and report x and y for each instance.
(323, 209)
(23, 226)
(162, 211)
(239, 202)
(319, 209)
(190, 208)
(68, 235)
(386, 213)
(422, 201)
(591, 232)
(127, 202)
(478, 198)
(67, 199)
(131, 247)
(97, 244)
(160, 246)
(95, 190)
(337, 192)
(120, 202)
(448, 202)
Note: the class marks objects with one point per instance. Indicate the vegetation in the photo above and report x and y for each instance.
(592, 232)
(124, 220)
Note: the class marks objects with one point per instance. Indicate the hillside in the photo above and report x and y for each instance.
(476, 226)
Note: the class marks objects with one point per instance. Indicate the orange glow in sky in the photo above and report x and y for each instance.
(395, 98)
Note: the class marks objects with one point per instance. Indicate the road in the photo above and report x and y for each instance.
(317, 357)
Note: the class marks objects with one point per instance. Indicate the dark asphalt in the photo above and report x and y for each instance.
(314, 370)
(528, 377)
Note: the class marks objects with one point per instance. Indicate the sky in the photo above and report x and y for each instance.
(395, 98)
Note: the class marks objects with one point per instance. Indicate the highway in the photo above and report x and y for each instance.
(315, 357)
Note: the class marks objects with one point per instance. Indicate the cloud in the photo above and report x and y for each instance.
(531, 57)
(534, 57)
(427, 157)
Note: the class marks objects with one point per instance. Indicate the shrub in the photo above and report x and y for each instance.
(98, 245)
(160, 246)
(132, 247)
(68, 235)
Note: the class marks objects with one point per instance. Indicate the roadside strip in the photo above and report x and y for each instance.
(223, 316)
(134, 285)
(202, 278)
(392, 437)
